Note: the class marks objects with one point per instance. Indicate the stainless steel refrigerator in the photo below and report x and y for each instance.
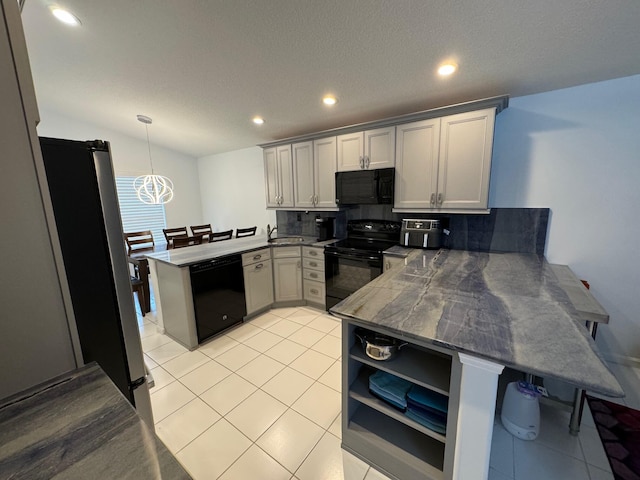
(85, 205)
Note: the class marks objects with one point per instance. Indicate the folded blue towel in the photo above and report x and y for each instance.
(393, 386)
(429, 413)
(435, 426)
(428, 398)
(390, 400)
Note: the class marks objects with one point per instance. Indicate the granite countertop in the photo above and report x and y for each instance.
(182, 257)
(79, 426)
(505, 307)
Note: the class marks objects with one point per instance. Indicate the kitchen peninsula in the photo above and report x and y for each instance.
(465, 315)
(172, 278)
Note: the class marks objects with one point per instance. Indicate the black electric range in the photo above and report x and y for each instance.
(355, 261)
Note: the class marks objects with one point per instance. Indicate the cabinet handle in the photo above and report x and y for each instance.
(313, 264)
(433, 198)
(361, 163)
(257, 257)
(315, 200)
(366, 162)
(314, 291)
(440, 199)
(311, 199)
(298, 264)
(387, 266)
(259, 266)
(313, 253)
(313, 275)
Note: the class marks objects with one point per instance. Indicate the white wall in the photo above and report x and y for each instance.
(232, 190)
(577, 151)
(131, 157)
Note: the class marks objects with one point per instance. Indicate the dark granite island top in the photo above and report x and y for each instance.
(183, 257)
(79, 426)
(505, 307)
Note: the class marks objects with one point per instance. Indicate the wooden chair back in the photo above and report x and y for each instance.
(179, 242)
(218, 236)
(246, 232)
(171, 233)
(201, 230)
(139, 241)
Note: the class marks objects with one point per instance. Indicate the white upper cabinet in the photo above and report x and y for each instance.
(466, 143)
(303, 175)
(314, 168)
(367, 150)
(278, 173)
(443, 164)
(417, 164)
(324, 154)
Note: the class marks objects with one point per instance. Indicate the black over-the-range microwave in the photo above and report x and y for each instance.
(365, 187)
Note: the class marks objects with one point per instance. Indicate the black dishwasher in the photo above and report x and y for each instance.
(218, 295)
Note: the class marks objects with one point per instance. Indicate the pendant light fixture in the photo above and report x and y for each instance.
(152, 189)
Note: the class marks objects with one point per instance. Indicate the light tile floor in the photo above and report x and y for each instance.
(263, 401)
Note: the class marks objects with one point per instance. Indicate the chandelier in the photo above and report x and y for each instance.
(152, 189)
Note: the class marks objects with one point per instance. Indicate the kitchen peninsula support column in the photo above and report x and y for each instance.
(474, 427)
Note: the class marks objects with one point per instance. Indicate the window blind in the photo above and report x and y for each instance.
(136, 215)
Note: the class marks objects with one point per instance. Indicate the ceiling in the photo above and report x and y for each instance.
(201, 69)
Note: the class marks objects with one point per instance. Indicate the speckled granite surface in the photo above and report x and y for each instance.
(182, 257)
(79, 426)
(506, 307)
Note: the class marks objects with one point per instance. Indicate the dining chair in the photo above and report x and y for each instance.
(201, 230)
(171, 233)
(246, 232)
(139, 241)
(218, 236)
(179, 242)
(137, 287)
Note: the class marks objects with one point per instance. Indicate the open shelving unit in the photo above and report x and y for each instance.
(384, 436)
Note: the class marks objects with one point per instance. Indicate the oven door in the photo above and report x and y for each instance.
(347, 272)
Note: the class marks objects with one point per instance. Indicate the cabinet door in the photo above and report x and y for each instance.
(287, 279)
(380, 148)
(417, 164)
(303, 175)
(285, 175)
(466, 142)
(324, 154)
(258, 286)
(271, 176)
(350, 152)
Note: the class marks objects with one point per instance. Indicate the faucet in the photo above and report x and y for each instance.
(270, 231)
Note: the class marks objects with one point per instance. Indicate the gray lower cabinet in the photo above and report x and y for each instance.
(287, 274)
(313, 276)
(258, 280)
(384, 436)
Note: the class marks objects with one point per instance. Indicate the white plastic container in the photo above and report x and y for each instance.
(520, 412)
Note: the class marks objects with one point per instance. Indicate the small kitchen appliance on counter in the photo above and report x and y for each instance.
(325, 228)
(421, 233)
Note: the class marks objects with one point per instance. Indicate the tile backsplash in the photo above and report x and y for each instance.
(521, 230)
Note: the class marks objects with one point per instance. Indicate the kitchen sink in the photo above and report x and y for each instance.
(285, 240)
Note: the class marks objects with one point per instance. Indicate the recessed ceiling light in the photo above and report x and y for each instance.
(65, 16)
(258, 120)
(447, 69)
(329, 100)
